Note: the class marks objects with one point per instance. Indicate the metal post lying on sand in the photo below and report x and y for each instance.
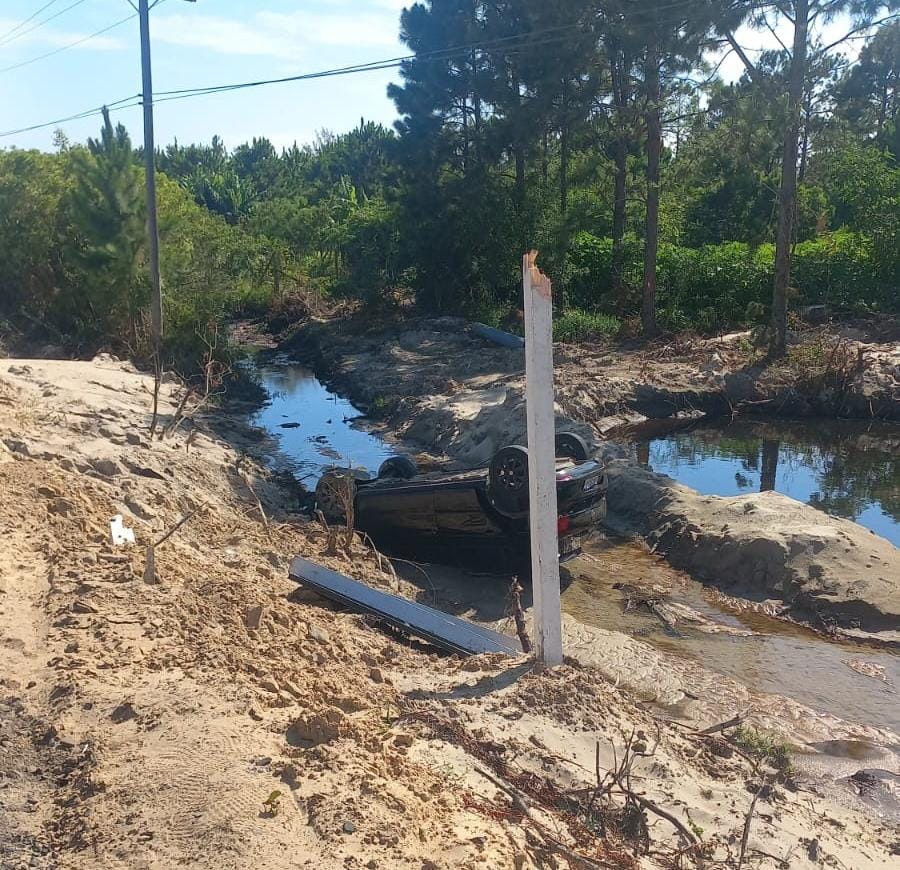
(542, 460)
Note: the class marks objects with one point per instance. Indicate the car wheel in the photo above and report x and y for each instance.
(398, 467)
(572, 446)
(508, 481)
(334, 491)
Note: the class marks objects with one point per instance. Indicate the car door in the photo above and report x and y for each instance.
(458, 511)
(398, 509)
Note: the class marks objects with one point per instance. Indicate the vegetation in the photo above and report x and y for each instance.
(594, 132)
(575, 325)
(765, 748)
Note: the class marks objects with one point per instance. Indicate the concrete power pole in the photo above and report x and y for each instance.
(156, 314)
(541, 424)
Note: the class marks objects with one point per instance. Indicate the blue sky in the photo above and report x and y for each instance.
(210, 42)
(196, 44)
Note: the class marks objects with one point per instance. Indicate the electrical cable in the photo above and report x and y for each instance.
(441, 54)
(7, 40)
(70, 45)
(168, 96)
(77, 42)
(680, 4)
(31, 17)
(117, 106)
(389, 63)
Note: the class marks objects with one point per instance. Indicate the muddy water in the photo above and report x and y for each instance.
(849, 469)
(777, 657)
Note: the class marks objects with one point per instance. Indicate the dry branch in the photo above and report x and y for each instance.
(521, 803)
(746, 834)
(514, 606)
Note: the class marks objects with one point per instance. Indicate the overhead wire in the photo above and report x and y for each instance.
(118, 105)
(525, 42)
(10, 39)
(77, 42)
(679, 4)
(73, 44)
(448, 53)
(167, 96)
(31, 17)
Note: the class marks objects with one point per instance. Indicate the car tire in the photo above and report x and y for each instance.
(508, 481)
(398, 468)
(332, 492)
(572, 446)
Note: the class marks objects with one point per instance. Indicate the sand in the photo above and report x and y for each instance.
(144, 724)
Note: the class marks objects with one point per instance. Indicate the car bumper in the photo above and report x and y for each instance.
(580, 525)
(583, 520)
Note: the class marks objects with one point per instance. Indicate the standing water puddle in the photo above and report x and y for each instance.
(778, 657)
(312, 425)
(848, 469)
(314, 429)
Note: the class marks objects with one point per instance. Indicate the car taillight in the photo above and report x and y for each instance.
(562, 525)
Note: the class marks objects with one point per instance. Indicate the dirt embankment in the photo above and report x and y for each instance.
(147, 718)
(437, 384)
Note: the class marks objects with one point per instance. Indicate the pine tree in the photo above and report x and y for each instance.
(108, 210)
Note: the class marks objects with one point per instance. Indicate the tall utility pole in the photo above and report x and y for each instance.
(156, 314)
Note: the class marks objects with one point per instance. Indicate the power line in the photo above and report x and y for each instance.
(70, 45)
(167, 96)
(31, 17)
(390, 63)
(449, 53)
(680, 4)
(76, 42)
(118, 105)
(6, 41)
(372, 66)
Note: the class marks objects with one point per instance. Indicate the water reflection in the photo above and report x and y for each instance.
(847, 469)
(314, 427)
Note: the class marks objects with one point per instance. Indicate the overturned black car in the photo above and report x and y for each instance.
(476, 518)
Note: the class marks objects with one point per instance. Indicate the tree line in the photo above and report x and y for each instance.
(660, 196)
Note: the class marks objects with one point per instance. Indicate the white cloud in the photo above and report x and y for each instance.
(274, 34)
(50, 38)
(222, 35)
(333, 29)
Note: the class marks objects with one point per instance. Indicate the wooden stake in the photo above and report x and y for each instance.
(542, 460)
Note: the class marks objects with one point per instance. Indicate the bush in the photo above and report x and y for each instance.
(369, 247)
(720, 286)
(589, 270)
(75, 261)
(577, 325)
(32, 223)
(841, 269)
(711, 287)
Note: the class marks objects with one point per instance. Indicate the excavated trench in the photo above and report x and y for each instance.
(617, 584)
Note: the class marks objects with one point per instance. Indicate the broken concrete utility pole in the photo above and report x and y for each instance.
(541, 420)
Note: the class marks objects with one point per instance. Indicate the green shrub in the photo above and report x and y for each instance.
(589, 271)
(72, 234)
(577, 325)
(765, 748)
(841, 270)
(720, 286)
